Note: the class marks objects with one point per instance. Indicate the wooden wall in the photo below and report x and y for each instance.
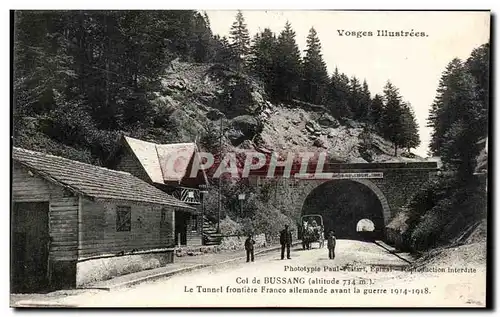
(28, 188)
(100, 237)
(63, 210)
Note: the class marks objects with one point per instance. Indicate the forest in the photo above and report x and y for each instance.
(447, 207)
(81, 77)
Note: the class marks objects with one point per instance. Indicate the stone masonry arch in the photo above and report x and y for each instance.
(311, 185)
(392, 183)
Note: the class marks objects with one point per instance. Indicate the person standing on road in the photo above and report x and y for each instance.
(285, 241)
(332, 241)
(249, 242)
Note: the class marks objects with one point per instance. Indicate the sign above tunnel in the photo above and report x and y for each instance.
(339, 175)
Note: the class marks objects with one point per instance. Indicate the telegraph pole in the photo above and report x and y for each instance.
(220, 183)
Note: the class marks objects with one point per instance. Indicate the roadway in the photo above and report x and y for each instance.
(362, 275)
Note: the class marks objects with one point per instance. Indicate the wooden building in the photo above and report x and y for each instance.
(73, 223)
(168, 167)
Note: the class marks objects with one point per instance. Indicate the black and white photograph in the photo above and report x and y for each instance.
(249, 158)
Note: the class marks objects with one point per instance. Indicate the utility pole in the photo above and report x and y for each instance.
(220, 183)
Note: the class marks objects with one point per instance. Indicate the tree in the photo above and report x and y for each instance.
(376, 112)
(392, 119)
(338, 95)
(102, 67)
(224, 53)
(447, 105)
(478, 66)
(364, 102)
(459, 114)
(354, 97)
(263, 58)
(315, 80)
(410, 136)
(240, 38)
(287, 66)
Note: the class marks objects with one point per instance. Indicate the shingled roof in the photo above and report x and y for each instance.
(93, 181)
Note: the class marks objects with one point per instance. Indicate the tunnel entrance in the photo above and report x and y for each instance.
(365, 229)
(347, 206)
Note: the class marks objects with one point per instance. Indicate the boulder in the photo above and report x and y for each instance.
(319, 142)
(244, 128)
(327, 120)
(247, 124)
(353, 124)
(331, 133)
(207, 97)
(214, 114)
(313, 126)
(247, 145)
(257, 97)
(235, 136)
(267, 111)
(174, 84)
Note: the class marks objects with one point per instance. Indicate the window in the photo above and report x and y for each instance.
(123, 218)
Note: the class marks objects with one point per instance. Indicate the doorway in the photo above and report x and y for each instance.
(181, 225)
(29, 247)
(166, 228)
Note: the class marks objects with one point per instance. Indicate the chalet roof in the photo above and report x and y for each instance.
(156, 159)
(148, 157)
(93, 181)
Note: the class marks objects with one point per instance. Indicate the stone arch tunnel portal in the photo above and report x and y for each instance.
(343, 204)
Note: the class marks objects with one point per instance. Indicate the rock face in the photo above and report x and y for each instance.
(197, 95)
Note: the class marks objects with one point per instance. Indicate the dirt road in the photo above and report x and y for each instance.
(361, 275)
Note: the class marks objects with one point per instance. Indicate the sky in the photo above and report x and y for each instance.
(412, 64)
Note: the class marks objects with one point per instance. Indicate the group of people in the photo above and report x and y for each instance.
(286, 242)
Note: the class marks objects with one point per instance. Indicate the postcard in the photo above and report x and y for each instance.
(189, 158)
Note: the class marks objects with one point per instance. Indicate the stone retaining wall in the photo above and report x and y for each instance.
(238, 242)
(95, 270)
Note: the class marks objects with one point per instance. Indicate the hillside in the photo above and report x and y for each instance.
(194, 98)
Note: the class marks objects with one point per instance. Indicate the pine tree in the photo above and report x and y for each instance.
(223, 51)
(354, 98)
(478, 66)
(240, 38)
(459, 115)
(447, 105)
(410, 136)
(90, 73)
(392, 119)
(364, 103)
(315, 82)
(263, 58)
(287, 65)
(376, 112)
(338, 94)
(202, 39)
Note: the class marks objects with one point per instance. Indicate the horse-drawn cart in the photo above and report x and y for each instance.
(311, 230)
